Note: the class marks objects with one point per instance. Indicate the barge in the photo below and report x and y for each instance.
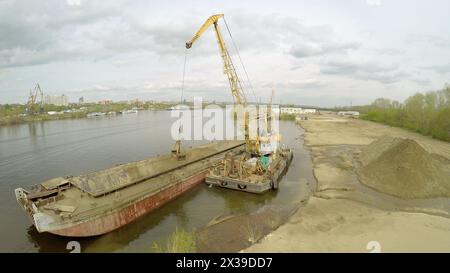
(242, 172)
(99, 202)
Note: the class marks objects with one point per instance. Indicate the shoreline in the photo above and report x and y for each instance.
(18, 120)
(343, 215)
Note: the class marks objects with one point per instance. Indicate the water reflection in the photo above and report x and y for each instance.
(240, 202)
(32, 129)
(77, 146)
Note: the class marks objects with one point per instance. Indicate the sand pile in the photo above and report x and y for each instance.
(401, 167)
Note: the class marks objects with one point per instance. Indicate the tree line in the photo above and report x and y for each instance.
(425, 113)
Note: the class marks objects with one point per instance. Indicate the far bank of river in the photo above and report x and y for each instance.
(20, 119)
(13, 120)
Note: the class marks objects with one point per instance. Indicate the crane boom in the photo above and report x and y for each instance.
(229, 70)
(262, 151)
(33, 99)
(211, 20)
(269, 113)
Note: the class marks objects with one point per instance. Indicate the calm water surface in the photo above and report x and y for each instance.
(34, 152)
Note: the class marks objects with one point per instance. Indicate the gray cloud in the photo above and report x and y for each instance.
(136, 48)
(442, 69)
(36, 32)
(161, 90)
(383, 73)
(435, 40)
(421, 81)
(301, 50)
(310, 83)
(291, 35)
(389, 51)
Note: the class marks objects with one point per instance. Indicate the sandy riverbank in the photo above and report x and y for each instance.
(344, 215)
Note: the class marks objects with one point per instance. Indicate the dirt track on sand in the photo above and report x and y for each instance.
(345, 215)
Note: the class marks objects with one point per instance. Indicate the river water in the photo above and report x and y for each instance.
(34, 152)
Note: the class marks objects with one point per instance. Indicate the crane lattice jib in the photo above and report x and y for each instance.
(229, 69)
(233, 79)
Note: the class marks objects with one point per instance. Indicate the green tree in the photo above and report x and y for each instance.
(428, 113)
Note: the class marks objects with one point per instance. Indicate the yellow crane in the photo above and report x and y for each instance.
(271, 160)
(233, 79)
(269, 113)
(33, 106)
(229, 70)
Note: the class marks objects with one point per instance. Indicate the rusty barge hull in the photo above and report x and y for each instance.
(100, 202)
(119, 218)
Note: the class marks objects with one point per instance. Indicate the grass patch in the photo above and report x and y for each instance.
(287, 117)
(180, 241)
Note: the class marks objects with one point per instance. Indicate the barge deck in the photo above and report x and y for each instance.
(99, 202)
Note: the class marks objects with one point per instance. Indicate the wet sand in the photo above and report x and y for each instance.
(338, 225)
(344, 215)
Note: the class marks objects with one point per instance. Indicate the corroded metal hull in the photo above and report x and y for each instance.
(99, 202)
(117, 219)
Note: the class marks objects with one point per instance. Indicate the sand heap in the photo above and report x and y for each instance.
(401, 167)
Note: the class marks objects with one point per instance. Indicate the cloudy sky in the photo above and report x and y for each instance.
(322, 53)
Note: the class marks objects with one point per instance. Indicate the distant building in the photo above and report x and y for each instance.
(81, 100)
(62, 100)
(290, 110)
(104, 102)
(348, 113)
(297, 110)
(136, 102)
(309, 111)
(65, 100)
